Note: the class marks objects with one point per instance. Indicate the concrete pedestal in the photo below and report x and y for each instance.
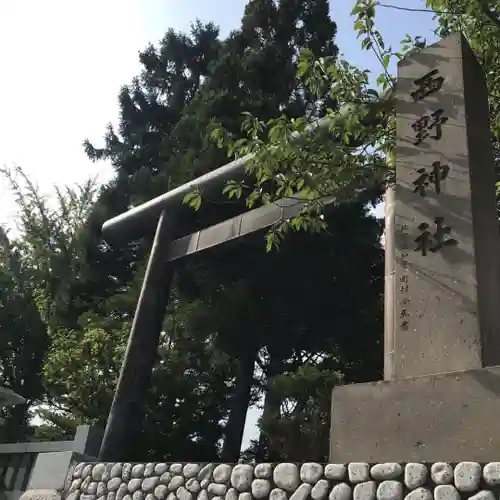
(443, 417)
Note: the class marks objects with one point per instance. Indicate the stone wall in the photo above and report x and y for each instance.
(285, 481)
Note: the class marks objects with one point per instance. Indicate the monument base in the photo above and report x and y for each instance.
(442, 417)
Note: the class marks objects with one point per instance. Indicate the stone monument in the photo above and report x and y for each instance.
(441, 393)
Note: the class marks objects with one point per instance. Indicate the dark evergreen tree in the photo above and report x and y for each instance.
(23, 340)
(249, 301)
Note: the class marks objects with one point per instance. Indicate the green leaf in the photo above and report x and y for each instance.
(253, 198)
(357, 9)
(381, 80)
(272, 240)
(228, 187)
(306, 53)
(189, 196)
(193, 199)
(303, 68)
(216, 134)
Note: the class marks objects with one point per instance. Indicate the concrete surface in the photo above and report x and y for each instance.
(444, 417)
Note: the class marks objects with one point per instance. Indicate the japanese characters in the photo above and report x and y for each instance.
(442, 239)
(430, 126)
(425, 238)
(433, 176)
(427, 85)
(434, 241)
(403, 280)
(427, 124)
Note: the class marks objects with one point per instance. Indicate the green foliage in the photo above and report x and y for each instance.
(237, 80)
(56, 426)
(197, 101)
(83, 365)
(304, 413)
(344, 161)
(193, 198)
(479, 21)
(40, 270)
(51, 243)
(23, 337)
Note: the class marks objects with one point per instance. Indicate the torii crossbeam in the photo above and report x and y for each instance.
(125, 418)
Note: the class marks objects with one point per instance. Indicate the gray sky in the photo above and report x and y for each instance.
(63, 63)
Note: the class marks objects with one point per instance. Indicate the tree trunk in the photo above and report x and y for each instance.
(272, 404)
(240, 400)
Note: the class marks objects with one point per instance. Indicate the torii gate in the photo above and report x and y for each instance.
(126, 414)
